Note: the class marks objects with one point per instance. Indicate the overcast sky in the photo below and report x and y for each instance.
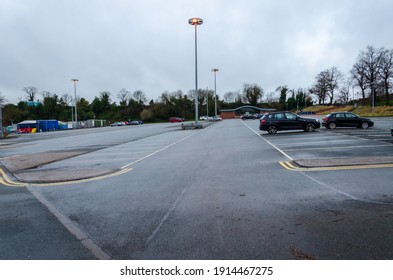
(148, 45)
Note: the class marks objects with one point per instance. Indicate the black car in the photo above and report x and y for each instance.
(346, 119)
(272, 122)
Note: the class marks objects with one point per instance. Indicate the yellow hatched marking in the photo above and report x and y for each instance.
(289, 166)
(5, 180)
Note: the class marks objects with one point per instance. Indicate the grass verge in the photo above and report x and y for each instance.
(366, 111)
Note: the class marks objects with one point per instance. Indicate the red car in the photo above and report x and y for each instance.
(175, 119)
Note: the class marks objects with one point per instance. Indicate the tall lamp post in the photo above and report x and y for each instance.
(196, 22)
(76, 110)
(215, 70)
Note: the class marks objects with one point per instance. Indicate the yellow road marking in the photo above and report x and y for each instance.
(7, 181)
(289, 166)
(7, 184)
(284, 164)
(4, 180)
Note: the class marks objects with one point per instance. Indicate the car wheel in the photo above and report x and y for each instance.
(332, 125)
(364, 125)
(310, 127)
(272, 129)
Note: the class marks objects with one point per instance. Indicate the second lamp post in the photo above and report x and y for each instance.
(215, 90)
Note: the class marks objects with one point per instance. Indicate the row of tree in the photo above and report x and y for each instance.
(371, 73)
(130, 106)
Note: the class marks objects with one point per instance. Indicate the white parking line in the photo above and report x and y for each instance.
(335, 148)
(291, 136)
(93, 247)
(379, 134)
(271, 144)
(160, 150)
(294, 143)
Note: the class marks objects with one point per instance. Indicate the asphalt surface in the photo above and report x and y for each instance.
(29, 231)
(214, 193)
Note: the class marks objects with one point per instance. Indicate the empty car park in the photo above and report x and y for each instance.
(237, 193)
(340, 142)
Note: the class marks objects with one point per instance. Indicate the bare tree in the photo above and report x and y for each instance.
(368, 69)
(252, 93)
(271, 98)
(320, 88)
(165, 97)
(359, 77)
(327, 83)
(139, 96)
(31, 92)
(230, 96)
(46, 94)
(343, 96)
(67, 99)
(387, 72)
(123, 95)
(373, 70)
(372, 59)
(334, 78)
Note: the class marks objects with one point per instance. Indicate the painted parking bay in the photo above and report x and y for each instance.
(331, 146)
(340, 149)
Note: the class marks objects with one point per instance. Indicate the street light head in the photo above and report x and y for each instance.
(214, 69)
(195, 21)
(74, 80)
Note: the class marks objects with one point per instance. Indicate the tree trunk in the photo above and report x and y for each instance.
(363, 97)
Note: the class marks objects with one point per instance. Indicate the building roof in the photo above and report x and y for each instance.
(248, 107)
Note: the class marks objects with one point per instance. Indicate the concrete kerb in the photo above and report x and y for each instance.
(58, 176)
(200, 125)
(25, 168)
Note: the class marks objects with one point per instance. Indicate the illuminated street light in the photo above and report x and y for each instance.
(215, 90)
(196, 22)
(76, 111)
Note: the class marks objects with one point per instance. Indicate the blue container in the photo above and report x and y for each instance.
(47, 125)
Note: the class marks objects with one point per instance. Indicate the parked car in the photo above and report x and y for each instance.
(274, 121)
(214, 119)
(175, 119)
(248, 117)
(139, 122)
(118, 124)
(346, 119)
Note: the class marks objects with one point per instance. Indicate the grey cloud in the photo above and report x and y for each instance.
(148, 45)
